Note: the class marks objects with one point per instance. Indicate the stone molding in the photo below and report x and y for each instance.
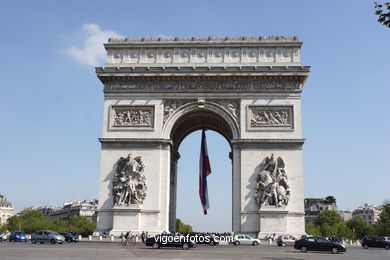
(201, 70)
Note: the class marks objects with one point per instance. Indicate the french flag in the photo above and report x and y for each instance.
(204, 171)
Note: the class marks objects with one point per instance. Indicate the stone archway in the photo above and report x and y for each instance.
(192, 116)
(157, 91)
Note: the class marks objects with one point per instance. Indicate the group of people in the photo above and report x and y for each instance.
(130, 235)
(269, 236)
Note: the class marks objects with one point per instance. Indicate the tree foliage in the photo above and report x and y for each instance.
(182, 227)
(82, 224)
(330, 199)
(312, 229)
(382, 227)
(383, 13)
(359, 227)
(329, 217)
(35, 220)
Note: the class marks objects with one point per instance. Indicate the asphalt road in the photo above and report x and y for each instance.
(100, 250)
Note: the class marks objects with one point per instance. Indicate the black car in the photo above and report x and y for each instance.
(318, 244)
(381, 242)
(69, 237)
(169, 240)
(205, 239)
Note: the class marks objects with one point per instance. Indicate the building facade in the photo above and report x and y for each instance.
(6, 210)
(314, 206)
(85, 208)
(368, 213)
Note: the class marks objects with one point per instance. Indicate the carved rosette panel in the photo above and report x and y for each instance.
(132, 116)
(272, 187)
(270, 116)
(129, 182)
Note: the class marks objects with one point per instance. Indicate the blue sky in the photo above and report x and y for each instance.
(51, 100)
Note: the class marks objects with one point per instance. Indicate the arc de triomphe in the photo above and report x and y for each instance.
(157, 91)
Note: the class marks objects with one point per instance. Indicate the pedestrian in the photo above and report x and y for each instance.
(143, 237)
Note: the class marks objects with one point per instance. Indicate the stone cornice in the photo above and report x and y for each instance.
(269, 141)
(210, 39)
(201, 71)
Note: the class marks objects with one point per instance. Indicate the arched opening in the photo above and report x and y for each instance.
(188, 206)
(185, 136)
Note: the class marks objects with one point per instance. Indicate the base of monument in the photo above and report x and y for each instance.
(122, 219)
(280, 221)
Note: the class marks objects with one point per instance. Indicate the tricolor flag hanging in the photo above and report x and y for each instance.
(204, 171)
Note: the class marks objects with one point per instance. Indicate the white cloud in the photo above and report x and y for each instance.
(92, 52)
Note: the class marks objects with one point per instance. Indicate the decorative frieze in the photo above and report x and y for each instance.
(270, 116)
(132, 116)
(266, 85)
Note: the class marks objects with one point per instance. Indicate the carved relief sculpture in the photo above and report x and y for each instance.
(132, 116)
(170, 107)
(129, 182)
(270, 116)
(232, 106)
(272, 188)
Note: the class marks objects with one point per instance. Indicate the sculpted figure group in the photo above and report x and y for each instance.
(128, 184)
(132, 118)
(272, 186)
(270, 118)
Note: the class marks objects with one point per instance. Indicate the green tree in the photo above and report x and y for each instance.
(343, 231)
(82, 224)
(182, 227)
(330, 199)
(3, 227)
(312, 229)
(382, 227)
(359, 227)
(58, 225)
(329, 217)
(30, 222)
(383, 13)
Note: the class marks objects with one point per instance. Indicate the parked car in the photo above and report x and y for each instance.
(69, 237)
(285, 240)
(205, 239)
(381, 242)
(169, 240)
(3, 236)
(18, 236)
(245, 240)
(47, 236)
(318, 244)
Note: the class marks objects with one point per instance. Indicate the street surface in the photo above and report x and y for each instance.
(106, 250)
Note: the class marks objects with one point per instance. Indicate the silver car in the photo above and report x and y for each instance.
(245, 240)
(285, 240)
(43, 236)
